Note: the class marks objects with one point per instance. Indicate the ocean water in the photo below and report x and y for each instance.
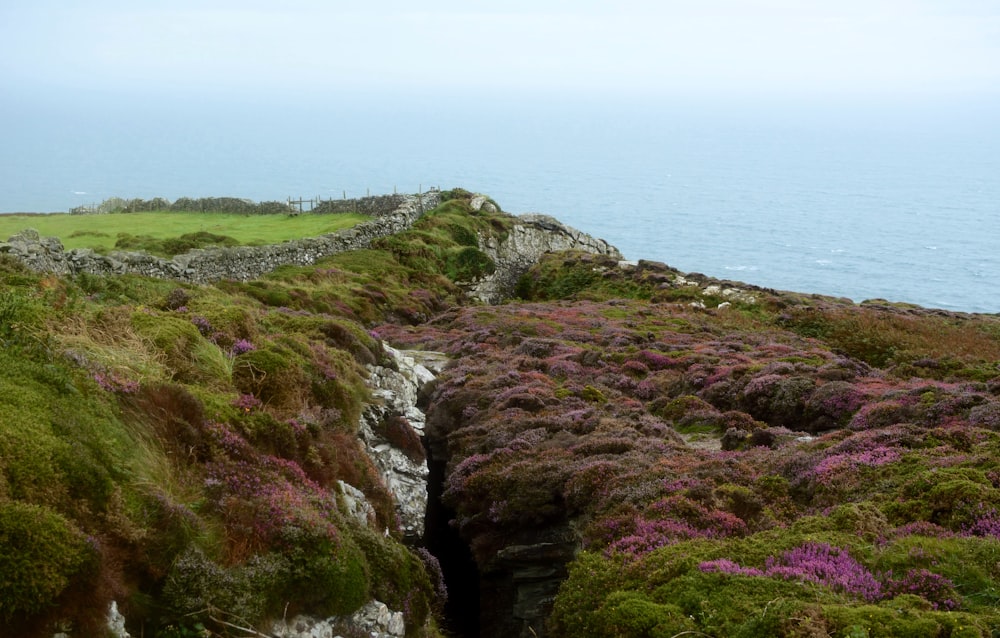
(863, 202)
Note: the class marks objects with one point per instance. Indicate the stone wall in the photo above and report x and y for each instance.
(393, 213)
(529, 238)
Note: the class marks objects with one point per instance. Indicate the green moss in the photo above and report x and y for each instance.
(273, 375)
(398, 577)
(633, 614)
(326, 575)
(41, 552)
(901, 621)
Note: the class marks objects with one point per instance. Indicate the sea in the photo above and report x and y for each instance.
(897, 200)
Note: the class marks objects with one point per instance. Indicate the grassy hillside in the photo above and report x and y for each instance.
(167, 233)
(177, 448)
(768, 464)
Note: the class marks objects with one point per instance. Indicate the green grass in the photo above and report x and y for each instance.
(101, 232)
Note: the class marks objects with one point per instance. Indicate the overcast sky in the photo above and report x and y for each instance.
(623, 47)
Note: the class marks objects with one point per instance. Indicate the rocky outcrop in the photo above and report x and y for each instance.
(531, 237)
(241, 263)
(374, 619)
(404, 471)
(521, 583)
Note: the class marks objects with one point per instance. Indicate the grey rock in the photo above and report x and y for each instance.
(395, 391)
(531, 237)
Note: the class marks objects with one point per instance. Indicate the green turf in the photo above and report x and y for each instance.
(100, 232)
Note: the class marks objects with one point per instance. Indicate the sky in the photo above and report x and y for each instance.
(782, 48)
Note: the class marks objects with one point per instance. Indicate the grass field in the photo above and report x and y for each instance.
(102, 232)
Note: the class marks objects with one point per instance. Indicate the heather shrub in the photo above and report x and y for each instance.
(934, 588)
(467, 264)
(20, 315)
(400, 434)
(197, 588)
(986, 415)
(778, 400)
(832, 405)
(676, 408)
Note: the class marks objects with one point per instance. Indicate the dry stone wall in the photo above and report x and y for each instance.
(393, 213)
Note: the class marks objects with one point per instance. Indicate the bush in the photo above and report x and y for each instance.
(40, 554)
(274, 377)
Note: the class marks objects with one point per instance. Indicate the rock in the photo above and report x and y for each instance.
(531, 237)
(116, 622)
(526, 579)
(356, 504)
(374, 619)
(405, 478)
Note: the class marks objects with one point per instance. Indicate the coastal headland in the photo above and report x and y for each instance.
(446, 420)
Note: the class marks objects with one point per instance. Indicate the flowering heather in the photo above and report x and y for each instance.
(837, 463)
(726, 566)
(817, 563)
(655, 360)
(934, 588)
(113, 382)
(652, 535)
(921, 528)
(241, 346)
(203, 325)
(987, 524)
(829, 566)
(247, 402)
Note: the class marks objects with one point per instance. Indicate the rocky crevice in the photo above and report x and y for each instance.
(395, 389)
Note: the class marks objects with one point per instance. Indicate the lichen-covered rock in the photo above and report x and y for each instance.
(531, 237)
(403, 470)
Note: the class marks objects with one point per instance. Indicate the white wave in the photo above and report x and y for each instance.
(79, 192)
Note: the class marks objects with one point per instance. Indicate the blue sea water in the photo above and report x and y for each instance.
(887, 201)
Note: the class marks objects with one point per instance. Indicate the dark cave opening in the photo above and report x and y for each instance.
(461, 575)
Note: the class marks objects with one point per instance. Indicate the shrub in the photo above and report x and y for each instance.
(41, 552)
(327, 575)
(467, 264)
(273, 376)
